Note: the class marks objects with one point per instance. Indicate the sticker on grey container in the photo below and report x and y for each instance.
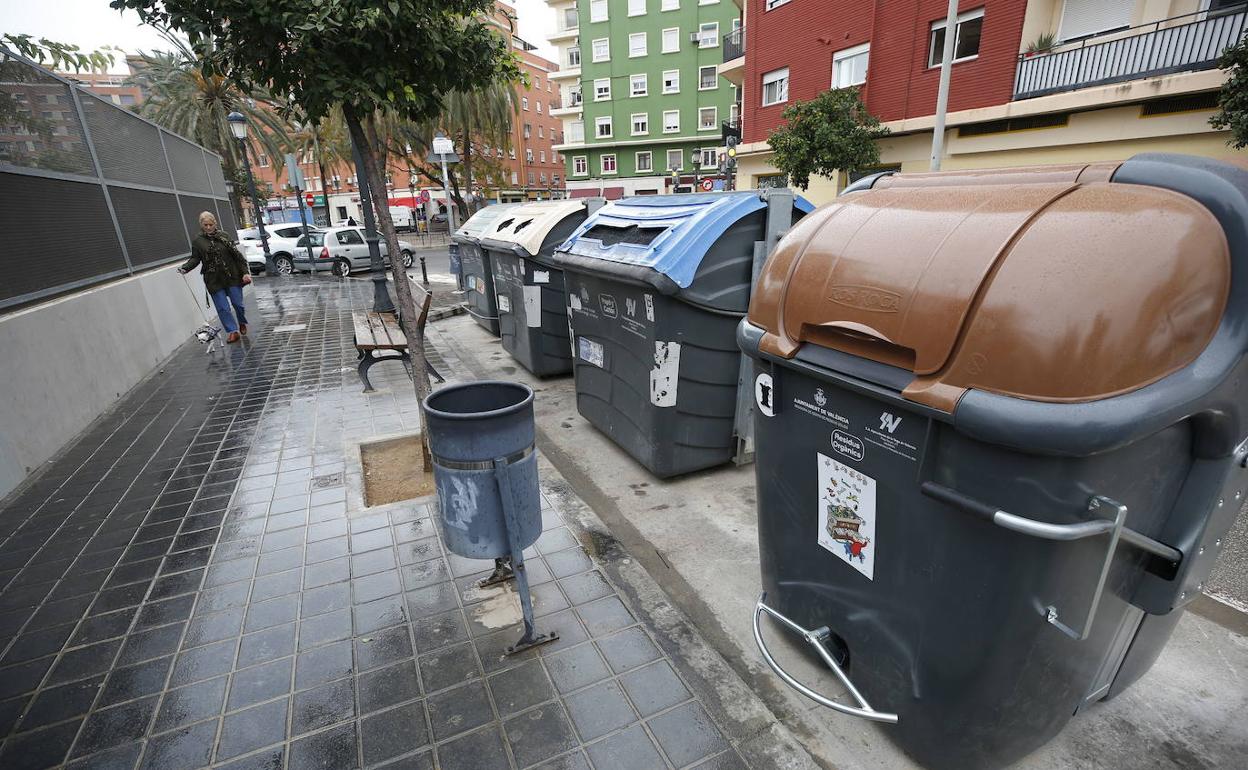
(541, 276)
(504, 303)
(891, 434)
(590, 351)
(816, 404)
(847, 514)
(533, 306)
(607, 303)
(665, 376)
(765, 394)
(847, 444)
(629, 320)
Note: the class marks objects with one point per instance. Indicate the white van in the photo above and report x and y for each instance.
(404, 218)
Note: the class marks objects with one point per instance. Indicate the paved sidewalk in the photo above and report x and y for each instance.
(195, 582)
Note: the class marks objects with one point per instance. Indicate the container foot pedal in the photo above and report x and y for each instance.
(532, 640)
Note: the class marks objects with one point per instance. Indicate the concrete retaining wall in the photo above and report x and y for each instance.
(66, 361)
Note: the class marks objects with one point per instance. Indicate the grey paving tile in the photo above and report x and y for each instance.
(269, 644)
(367, 589)
(654, 688)
(729, 760)
(269, 759)
(253, 728)
(388, 686)
(600, 709)
(628, 649)
(191, 703)
(539, 734)
(585, 587)
(135, 681)
(576, 667)
(687, 734)
(521, 687)
(259, 683)
(214, 627)
(449, 667)
(321, 629)
(464, 708)
(123, 757)
(322, 706)
(277, 584)
(335, 570)
(335, 749)
(382, 648)
(568, 562)
(115, 726)
(605, 615)
(481, 750)
(323, 664)
(419, 551)
(204, 662)
(439, 630)
(388, 734)
(629, 749)
(326, 599)
(56, 704)
(364, 564)
(188, 747)
(39, 748)
(261, 615)
(381, 613)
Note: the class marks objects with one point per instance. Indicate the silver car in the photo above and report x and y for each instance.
(283, 238)
(344, 250)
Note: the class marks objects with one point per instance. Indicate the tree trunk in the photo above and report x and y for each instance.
(364, 134)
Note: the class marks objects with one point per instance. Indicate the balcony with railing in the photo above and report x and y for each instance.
(1187, 43)
(734, 44)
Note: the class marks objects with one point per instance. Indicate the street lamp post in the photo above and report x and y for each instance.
(238, 127)
(381, 295)
(411, 189)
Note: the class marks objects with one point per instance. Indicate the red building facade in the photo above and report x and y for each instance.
(805, 36)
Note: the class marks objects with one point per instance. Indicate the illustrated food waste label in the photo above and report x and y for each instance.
(847, 514)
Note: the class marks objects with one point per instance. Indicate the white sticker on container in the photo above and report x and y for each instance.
(665, 375)
(650, 308)
(574, 301)
(541, 276)
(533, 306)
(765, 394)
(847, 514)
(590, 351)
(480, 285)
(504, 303)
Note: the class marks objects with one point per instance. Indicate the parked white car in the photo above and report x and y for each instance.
(283, 240)
(345, 251)
(404, 218)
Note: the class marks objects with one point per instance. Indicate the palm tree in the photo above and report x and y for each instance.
(327, 141)
(192, 100)
(484, 116)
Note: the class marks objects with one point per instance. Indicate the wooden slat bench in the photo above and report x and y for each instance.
(378, 337)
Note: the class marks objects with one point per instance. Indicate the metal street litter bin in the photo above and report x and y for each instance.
(532, 309)
(1000, 425)
(481, 437)
(475, 278)
(655, 287)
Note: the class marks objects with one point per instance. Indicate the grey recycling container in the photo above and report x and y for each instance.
(475, 277)
(1000, 424)
(528, 285)
(655, 288)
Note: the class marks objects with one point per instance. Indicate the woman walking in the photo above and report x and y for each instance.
(225, 273)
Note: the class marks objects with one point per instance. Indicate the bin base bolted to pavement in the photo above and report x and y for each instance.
(481, 436)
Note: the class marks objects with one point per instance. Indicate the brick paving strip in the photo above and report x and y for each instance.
(195, 582)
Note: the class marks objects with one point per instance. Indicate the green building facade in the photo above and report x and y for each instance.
(652, 96)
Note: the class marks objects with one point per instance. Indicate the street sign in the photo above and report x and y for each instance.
(424, 196)
(309, 198)
(443, 146)
(707, 185)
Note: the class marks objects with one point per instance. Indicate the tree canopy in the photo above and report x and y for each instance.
(404, 55)
(59, 56)
(1233, 101)
(830, 133)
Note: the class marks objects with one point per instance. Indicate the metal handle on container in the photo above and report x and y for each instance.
(1097, 526)
(815, 639)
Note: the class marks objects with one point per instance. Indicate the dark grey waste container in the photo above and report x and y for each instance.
(655, 287)
(532, 309)
(1000, 424)
(481, 437)
(476, 279)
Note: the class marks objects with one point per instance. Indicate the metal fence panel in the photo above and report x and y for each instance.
(151, 222)
(39, 126)
(128, 148)
(187, 161)
(41, 248)
(88, 203)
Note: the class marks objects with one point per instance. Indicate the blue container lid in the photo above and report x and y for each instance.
(670, 234)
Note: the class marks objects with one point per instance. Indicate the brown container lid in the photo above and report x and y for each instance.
(1049, 284)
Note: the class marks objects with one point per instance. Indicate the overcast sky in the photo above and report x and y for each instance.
(91, 24)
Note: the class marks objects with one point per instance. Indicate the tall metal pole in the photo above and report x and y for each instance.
(270, 268)
(942, 96)
(303, 220)
(381, 295)
(446, 190)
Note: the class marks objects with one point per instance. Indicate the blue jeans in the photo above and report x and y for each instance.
(222, 299)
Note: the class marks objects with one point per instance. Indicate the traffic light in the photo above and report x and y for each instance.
(730, 133)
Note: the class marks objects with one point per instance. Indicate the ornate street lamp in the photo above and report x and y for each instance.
(238, 127)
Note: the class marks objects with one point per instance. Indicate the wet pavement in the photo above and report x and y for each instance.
(195, 582)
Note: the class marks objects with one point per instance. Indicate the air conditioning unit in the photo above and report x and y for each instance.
(695, 37)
